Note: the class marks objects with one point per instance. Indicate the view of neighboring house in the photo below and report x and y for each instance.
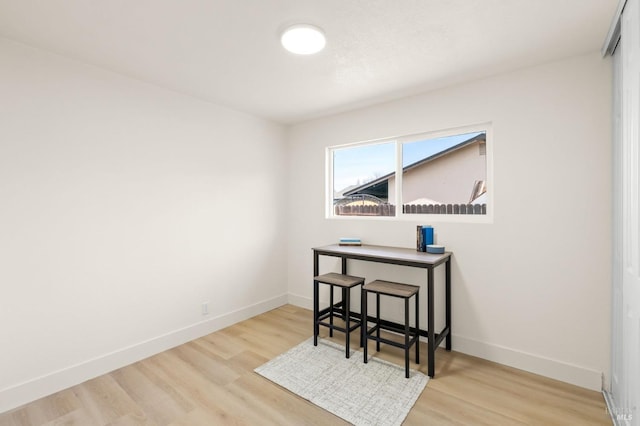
(456, 175)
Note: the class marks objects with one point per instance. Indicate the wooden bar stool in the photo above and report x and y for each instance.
(341, 309)
(403, 291)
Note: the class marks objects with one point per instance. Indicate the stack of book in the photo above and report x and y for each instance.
(350, 242)
(424, 237)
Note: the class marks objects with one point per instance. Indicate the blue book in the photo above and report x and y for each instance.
(427, 237)
(348, 241)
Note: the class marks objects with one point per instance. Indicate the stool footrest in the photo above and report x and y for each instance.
(371, 336)
(336, 314)
(396, 328)
(339, 328)
(337, 308)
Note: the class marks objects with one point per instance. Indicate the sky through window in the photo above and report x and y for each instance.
(361, 164)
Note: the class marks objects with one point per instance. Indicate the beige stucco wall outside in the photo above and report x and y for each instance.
(448, 179)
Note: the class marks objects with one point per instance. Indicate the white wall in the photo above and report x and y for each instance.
(123, 207)
(531, 289)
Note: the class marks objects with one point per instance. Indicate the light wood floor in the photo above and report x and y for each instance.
(210, 381)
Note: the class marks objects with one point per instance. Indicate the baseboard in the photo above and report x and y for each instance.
(547, 367)
(559, 370)
(56, 381)
(301, 301)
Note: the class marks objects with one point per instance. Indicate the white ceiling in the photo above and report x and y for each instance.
(228, 51)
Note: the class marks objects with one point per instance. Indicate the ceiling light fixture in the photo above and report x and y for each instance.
(303, 39)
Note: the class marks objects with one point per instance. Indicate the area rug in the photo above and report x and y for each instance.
(375, 393)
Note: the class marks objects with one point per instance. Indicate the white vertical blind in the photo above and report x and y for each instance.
(625, 337)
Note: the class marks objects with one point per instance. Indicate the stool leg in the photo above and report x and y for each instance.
(364, 332)
(316, 309)
(347, 319)
(378, 322)
(417, 296)
(362, 322)
(406, 338)
(331, 311)
(344, 297)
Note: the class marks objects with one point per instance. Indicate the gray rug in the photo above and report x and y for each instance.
(375, 393)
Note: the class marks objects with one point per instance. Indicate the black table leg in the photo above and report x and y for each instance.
(316, 309)
(364, 327)
(431, 334)
(448, 302)
(315, 264)
(316, 294)
(344, 290)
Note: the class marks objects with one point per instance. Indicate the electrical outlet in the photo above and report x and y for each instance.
(205, 308)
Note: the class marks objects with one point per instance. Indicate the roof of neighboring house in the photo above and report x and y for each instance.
(482, 137)
(340, 194)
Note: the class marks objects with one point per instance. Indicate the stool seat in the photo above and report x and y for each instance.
(340, 280)
(392, 289)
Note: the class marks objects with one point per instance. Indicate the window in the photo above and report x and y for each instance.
(442, 173)
(361, 179)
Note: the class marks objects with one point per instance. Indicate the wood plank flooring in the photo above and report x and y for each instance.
(210, 381)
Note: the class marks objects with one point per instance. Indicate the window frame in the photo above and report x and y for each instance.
(399, 142)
